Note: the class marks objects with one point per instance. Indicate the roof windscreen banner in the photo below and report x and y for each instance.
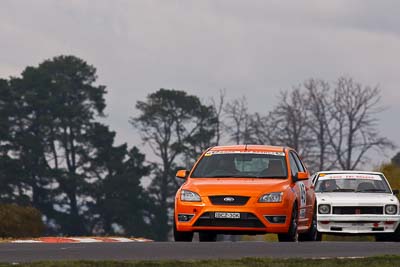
(210, 153)
(349, 176)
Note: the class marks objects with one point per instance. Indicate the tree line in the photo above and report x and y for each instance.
(57, 156)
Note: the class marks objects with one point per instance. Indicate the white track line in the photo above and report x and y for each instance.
(85, 239)
(26, 241)
(122, 239)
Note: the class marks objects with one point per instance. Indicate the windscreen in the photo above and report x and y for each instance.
(241, 165)
(363, 183)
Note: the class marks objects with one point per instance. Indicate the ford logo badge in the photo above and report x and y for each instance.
(229, 199)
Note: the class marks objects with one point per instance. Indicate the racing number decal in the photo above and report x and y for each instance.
(303, 198)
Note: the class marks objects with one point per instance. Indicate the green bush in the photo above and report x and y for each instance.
(392, 173)
(17, 221)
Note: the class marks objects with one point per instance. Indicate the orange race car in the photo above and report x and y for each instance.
(246, 189)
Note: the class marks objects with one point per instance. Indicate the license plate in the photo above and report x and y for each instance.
(357, 224)
(227, 215)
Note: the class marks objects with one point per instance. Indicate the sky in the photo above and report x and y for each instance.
(247, 47)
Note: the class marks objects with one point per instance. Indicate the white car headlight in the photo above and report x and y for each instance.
(391, 209)
(271, 197)
(324, 209)
(187, 195)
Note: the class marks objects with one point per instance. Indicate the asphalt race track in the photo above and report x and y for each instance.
(12, 252)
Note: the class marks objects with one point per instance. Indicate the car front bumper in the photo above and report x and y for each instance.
(253, 217)
(357, 224)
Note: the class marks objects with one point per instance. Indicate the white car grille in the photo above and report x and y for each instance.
(358, 210)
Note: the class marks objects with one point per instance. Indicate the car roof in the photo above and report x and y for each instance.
(248, 148)
(359, 172)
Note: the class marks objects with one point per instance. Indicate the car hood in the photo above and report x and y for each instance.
(235, 186)
(356, 199)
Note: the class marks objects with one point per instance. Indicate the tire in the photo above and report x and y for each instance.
(180, 236)
(312, 234)
(292, 235)
(395, 237)
(207, 237)
(382, 238)
(391, 237)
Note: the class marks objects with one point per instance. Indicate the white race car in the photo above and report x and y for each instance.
(356, 202)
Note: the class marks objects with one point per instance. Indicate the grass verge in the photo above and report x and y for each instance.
(381, 261)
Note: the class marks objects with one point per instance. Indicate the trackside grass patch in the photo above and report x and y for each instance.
(381, 261)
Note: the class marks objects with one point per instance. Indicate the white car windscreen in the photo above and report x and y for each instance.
(351, 183)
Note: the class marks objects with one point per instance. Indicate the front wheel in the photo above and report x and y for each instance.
(312, 234)
(292, 235)
(180, 236)
(207, 237)
(382, 238)
(390, 237)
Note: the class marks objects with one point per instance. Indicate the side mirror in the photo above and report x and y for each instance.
(300, 176)
(396, 191)
(182, 174)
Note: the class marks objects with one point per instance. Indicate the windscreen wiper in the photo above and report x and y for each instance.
(232, 176)
(222, 176)
(372, 190)
(343, 190)
(271, 177)
(337, 190)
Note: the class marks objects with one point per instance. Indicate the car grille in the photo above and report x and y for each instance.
(357, 210)
(221, 200)
(247, 220)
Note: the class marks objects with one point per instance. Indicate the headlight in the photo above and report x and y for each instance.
(324, 209)
(187, 195)
(271, 198)
(391, 209)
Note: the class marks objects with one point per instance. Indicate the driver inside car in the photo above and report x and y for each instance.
(227, 165)
(329, 185)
